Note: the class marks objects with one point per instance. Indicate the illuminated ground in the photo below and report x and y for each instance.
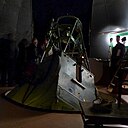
(13, 116)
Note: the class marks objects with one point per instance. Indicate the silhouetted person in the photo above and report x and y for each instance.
(21, 59)
(4, 59)
(110, 50)
(7, 56)
(32, 57)
(117, 55)
(123, 40)
(32, 52)
(12, 60)
(41, 48)
(110, 47)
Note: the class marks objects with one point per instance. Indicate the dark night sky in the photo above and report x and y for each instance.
(44, 11)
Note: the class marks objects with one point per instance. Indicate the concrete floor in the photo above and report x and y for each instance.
(13, 116)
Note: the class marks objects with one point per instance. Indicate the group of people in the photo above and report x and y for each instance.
(118, 53)
(16, 61)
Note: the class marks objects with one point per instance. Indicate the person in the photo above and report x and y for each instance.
(21, 59)
(4, 59)
(7, 66)
(111, 46)
(117, 55)
(41, 48)
(123, 40)
(32, 51)
(32, 57)
(110, 50)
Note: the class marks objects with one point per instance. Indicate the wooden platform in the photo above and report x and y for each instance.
(115, 116)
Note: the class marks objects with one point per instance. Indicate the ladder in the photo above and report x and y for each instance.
(114, 81)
